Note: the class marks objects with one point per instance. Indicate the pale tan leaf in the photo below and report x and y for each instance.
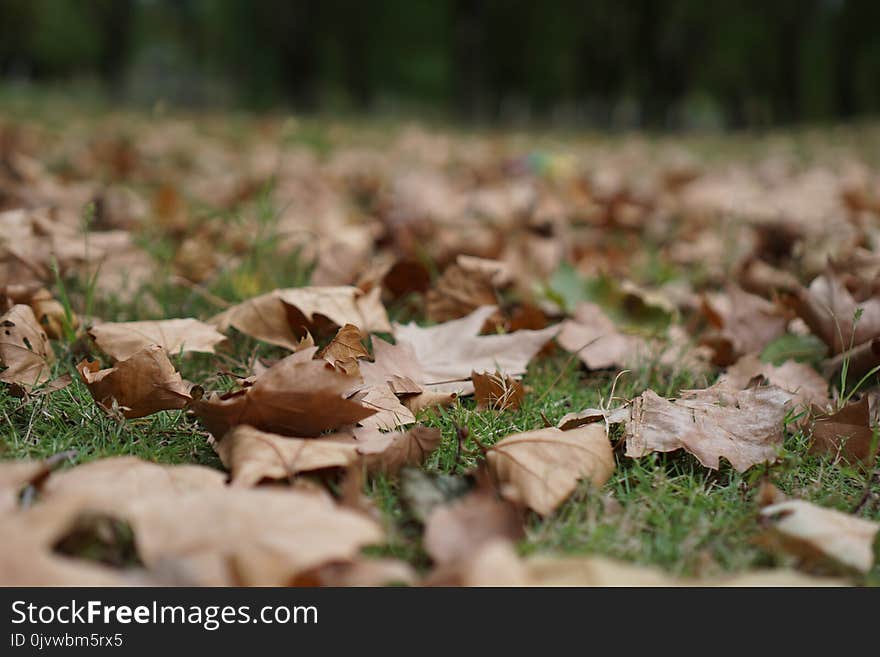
(253, 455)
(140, 385)
(123, 339)
(25, 352)
(280, 316)
(541, 468)
(743, 426)
(818, 534)
(389, 452)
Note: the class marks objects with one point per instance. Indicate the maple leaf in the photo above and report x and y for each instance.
(144, 383)
(121, 340)
(848, 432)
(456, 530)
(297, 396)
(186, 518)
(743, 426)
(25, 352)
(744, 323)
(596, 339)
(458, 292)
(253, 455)
(817, 534)
(278, 317)
(807, 386)
(541, 468)
(496, 391)
(440, 358)
(389, 452)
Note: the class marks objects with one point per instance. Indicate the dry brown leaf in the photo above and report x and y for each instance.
(541, 468)
(829, 309)
(497, 564)
(816, 534)
(50, 314)
(362, 571)
(744, 324)
(390, 412)
(297, 396)
(597, 341)
(807, 387)
(458, 292)
(389, 452)
(25, 352)
(121, 340)
(344, 350)
(496, 391)
(142, 384)
(444, 355)
(281, 316)
(184, 516)
(743, 426)
(253, 455)
(457, 530)
(848, 433)
(424, 400)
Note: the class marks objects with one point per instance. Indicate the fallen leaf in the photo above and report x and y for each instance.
(140, 385)
(808, 387)
(389, 452)
(816, 534)
(496, 391)
(455, 531)
(444, 355)
(344, 350)
(497, 564)
(281, 316)
(458, 292)
(597, 341)
(829, 309)
(540, 469)
(297, 396)
(184, 516)
(362, 571)
(253, 455)
(25, 352)
(744, 324)
(121, 340)
(848, 432)
(743, 426)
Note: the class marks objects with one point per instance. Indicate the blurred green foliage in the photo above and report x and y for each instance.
(647, 63)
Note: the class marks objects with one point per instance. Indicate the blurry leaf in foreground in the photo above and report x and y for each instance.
(389, 452)
(818, 535)
(541, 468)
(253, 455)
(456, 530)
(497, 564)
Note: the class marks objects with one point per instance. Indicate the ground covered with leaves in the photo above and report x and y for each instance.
(266, 350)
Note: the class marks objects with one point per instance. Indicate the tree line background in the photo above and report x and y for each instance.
(646, 63)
